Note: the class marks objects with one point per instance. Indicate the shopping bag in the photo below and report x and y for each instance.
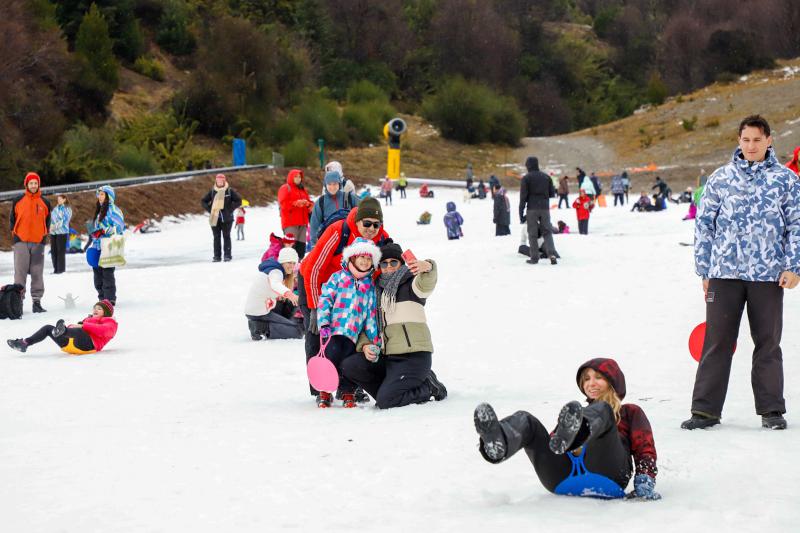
(112, 251)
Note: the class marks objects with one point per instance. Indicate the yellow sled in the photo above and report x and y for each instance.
(71, 349)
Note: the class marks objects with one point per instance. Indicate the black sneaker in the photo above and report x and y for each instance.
(699, 422)
(60, 328)
(227, 259)
(438, 390)
(532, 261)
(569, 423)
(553, 260)
(493, 443)
(773, 420)
(216, 260)
(256, 336)
(37, 307)
(18, 344)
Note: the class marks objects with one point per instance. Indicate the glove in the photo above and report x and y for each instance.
(313, 327)
(523, 220)
(644, 487)
(324, 332)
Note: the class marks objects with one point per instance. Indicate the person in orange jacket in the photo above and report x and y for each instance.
(30, 220)
(90, 335)
(583, 205)
(295, 206)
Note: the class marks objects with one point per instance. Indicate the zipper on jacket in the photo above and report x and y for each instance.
(405, 332)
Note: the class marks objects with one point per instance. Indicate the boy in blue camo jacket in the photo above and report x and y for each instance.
(747, 250)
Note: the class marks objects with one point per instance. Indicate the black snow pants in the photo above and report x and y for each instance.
(312, 339)
(395, 380)
(58, 252)
(274, 326)
(583, 227)
(539, 224)
(338, 350)
(605, 453)
(222, 231)
(80, 339)
(106, 284)
(725, 302)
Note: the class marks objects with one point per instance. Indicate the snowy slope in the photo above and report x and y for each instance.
(185, 424)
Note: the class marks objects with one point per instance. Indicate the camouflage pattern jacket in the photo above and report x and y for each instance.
(748, 224)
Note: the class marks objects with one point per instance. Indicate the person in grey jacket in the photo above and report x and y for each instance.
(332, 199)
(747, 250)
(502, 211)
(534, 194)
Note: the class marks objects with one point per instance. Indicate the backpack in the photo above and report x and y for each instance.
(11, 301)
(339, 214)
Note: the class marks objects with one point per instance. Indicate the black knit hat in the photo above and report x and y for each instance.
(391, 250)
(369, 207)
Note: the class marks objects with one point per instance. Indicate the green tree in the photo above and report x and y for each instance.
(173, 29)
(94, 52)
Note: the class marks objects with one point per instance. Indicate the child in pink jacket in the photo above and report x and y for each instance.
(87, 336)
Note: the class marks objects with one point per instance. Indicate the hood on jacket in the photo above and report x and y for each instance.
(451, 206)
(532, 164)
(290, 177)
(796, 155)
(770, 160)
(362, 246)
(109, 193)
(269, 265)
(609, 369)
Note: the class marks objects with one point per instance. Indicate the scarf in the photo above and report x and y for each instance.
(389, 283)
(218, 204)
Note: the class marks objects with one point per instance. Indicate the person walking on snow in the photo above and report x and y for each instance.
(87, 336)
(295, 207)
(386, 190)
(591, 450)
(453, 222)
(30, 219)
(583, 206)
(240, 214)
(403, 376)
(747, 251)
(502, 212)
(534, 194)
(220, 202)
(563, 191)
(618, 190)
(402, 183)
(348, 309)
(59, 232)
(108, 221)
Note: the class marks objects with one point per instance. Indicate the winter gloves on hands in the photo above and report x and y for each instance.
(644, 487)
(324, 332)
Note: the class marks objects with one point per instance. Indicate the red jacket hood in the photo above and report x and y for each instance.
(610, 369)
(290, 176)
(796, 155)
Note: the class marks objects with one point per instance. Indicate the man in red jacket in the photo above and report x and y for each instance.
(365, 221)
(30, 220)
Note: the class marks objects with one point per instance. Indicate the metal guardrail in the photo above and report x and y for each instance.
(7, 196)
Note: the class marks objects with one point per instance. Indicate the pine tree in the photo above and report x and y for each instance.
(94, 51)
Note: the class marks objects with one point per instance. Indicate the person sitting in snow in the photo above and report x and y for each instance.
(347, 309)
(642, 203)
(453, 221)
(590, 451)
(87, 336)
(561, 228)
(425, 192)
(403, 376)
(424, 218)
(266, 309)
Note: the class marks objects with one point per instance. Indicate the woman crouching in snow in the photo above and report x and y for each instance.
(589, 452)
(87, 336)
(348, 307)
(270, 301)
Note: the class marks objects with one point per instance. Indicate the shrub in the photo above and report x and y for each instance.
(711, 123)
(93, 49)
(298, 152)
(656, 91)
(173, 33)
(150, 67)
(365, 121)
(136, 161)
(472, 113)
(320, 117)
(365, 91)
(689, 123)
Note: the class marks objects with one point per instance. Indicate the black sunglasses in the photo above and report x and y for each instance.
(390, 263)
(370, 224)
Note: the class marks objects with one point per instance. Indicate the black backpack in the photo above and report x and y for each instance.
(11, 301)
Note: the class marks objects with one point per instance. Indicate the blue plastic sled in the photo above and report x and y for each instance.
(581, 482)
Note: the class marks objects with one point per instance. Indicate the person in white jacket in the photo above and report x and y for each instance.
(273, 286)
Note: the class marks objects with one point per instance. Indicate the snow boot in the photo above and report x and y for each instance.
(348, 400)
(361, 396)
(438, 390)
(532, 261)
(773, 420)
(60, 328)
(216, 260)
(699, 422)
(570, 420)
(493, 443)
(324, 400)
(18, 344)
(553, 260)
(37, 307)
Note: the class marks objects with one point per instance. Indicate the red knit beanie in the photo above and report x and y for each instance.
(108, 307)
(32, 176)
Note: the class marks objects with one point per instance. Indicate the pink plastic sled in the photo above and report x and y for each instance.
(322, 374)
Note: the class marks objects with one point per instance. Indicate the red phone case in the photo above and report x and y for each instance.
(408, 256)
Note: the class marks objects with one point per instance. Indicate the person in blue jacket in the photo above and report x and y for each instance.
(333, 200)
(747, 251)
(108, 221)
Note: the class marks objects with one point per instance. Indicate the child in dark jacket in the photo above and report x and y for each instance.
(453, 222)
(589, 453)
(502, 212)
(87, 336)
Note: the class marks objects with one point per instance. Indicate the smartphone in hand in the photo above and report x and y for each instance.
(408, 256)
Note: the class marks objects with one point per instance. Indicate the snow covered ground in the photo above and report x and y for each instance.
(185, 424)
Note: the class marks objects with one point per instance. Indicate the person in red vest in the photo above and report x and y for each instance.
(295, 206)
(583, 205)
(365, 221)
(30, 220)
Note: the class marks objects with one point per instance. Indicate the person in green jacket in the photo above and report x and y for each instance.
(403, 375)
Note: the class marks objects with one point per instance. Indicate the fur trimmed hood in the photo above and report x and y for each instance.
(361, 246)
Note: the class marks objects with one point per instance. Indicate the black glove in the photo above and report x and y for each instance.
(523, 220)
(313, 327)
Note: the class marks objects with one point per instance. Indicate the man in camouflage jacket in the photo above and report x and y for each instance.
(747, 250)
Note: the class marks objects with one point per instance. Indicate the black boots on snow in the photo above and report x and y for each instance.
(18, 344)
(699, 422)
(773, 420)
(438, 390)
(60, 328)
(570, 420)
(493, 442)
(37, 307)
